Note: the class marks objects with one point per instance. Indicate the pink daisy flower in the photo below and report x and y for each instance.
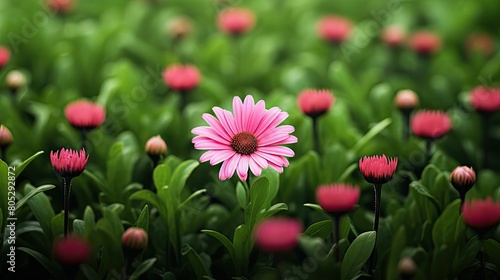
(250, 138)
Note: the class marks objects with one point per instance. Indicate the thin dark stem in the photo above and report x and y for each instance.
(125, 268)
(183, 95)
(3, 154)
(482, 269)
(485, 119)
(428, 151)
(315, 134)
(84, 140)
(378, 195)
(462, 200)
(406, 124)
(66, 194)
(336, 226)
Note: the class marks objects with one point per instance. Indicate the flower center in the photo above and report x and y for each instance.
(244, 143)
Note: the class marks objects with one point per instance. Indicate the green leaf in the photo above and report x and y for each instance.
(89, 219)
(241, 248)
(468, 253)
(374, 131)
(193, 195)
(42, 209)
(444, 227)
(397, 246)
(161, 176)
(32, 193)
(347, 172)
(143, 220)
(143, 268)
(154, 199)
(224, 241)
(421, 189)
(345, 226)
(196, 262)
(57, 224)
(89, 272)
(259, 191)
(182, 173)
(317, 208)
(20, 168)
(321, 229)
(241, 195)
(276, 208)
(357, 254)
(46, 262)
(79, 227)
(117, 179)
(492, 250)
(4, 189)
(274, 182)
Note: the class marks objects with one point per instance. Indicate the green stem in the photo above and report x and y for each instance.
(315, 134)
(66, 195)
(485, 121)
(336, 225)
(125, 268)
(3, 153)
(378, 195)
(428, 151)
(406, 124)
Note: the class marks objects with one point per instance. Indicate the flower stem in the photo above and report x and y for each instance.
(336, 226)
(125, 268)
(428, 151)
(315, 134)
(485, 121)
(378, 195)
(66, 195)
(406, 124)
(3, 154)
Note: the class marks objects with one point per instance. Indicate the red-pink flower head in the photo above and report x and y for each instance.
(429, 124)
(277, 234)
(315, 103)
(394, 36)
(134, 241)
(481, 214)
(481, 43)
(84, 115)
(236, 20)
(334, 28)
(4, 56)
(68, 163)
(181, 77)
(378, 169)
(425, 42)
(249, 139)
(72, 250)
(5, 137)
(337, 198)
(485, 99)
(61, 6)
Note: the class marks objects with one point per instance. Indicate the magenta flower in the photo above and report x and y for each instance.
(68, 163)
(337, 198)
(430, 124)
(378, 169)
(181, 77)
(277, 234)
(236, 20)
(84, 115)
(4, 56)
(481, 214)
(72, 250)
(249, 139)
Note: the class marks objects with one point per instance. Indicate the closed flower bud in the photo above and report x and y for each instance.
(134, 241)
(5, 137)
(156, 146)
(407, 268)
(406, 99)
(179, 27)
(15, 79)
(462, 179)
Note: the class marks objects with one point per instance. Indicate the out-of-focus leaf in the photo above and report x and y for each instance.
(357, 254)
(397, 246)
(43, 188)
(143, 268)
(320, 229)
(42, 209)
(196, 262)
(492, 250)
(143, 220)
(223, 240)
(20, 168)
(46, 262)
(161, 176)
(374, 131)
